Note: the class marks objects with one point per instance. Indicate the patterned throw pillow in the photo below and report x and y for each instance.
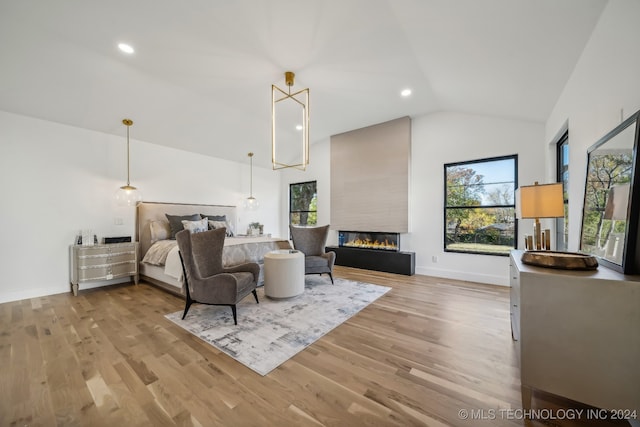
(230, 230)
(196, 226)
(221, 224)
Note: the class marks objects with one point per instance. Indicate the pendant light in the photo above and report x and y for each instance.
(128, 195)
(289, 126)
(251, 203)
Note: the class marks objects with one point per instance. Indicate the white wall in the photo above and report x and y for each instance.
(604, 83)
(319, 170)
(451, 137)
(438, 139)
(58, 179)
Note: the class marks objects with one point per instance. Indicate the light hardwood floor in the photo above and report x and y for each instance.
(425, 354)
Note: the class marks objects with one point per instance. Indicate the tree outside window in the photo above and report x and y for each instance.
(606, 169)
(479, 212)
(303, 204)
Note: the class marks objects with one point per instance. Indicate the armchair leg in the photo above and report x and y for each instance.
(331, 277)
(187, 304)
(255, 295)
(187, 298)
(235, 316)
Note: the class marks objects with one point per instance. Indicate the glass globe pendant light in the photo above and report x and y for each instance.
(251, 203)
(128, 195)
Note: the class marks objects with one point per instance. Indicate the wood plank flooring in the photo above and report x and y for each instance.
(431, 352)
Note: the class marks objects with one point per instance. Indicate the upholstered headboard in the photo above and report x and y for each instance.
(146, 212)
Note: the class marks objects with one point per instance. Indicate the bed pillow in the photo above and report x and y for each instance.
(230, 229)
(175, 222)
(196, 226)
(214, 217)
(217, 224)
(160, 230)
(221, 224)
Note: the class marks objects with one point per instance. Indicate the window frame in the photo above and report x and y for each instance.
(561, 228)
(291, 211)
(513, 157)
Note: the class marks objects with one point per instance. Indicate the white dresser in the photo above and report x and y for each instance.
(102, 262)
(579, 334)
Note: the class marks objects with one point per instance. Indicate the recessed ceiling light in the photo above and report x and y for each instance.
(298, 127)
(405, 92)
(125, 48)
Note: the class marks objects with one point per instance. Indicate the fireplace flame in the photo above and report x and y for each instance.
(372, 244)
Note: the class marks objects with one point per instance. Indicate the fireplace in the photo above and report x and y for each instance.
(369, 240)
(370, 250)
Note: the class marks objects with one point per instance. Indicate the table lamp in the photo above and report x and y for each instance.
(541, 201)
(546, 201)
(617, 202)
(616, 209)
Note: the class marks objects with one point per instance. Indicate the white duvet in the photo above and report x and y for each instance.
(237, 250)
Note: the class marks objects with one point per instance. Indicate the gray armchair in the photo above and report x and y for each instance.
(206, 281)
(310, 241)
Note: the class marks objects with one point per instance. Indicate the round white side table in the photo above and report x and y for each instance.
(283, 273)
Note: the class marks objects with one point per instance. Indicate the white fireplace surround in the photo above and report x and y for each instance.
(370, 178)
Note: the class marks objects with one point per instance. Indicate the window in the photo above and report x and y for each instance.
(562, 171)
(303, 203)
(479, 206)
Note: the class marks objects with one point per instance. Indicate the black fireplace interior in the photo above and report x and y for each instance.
(378, 251)
(369, 240)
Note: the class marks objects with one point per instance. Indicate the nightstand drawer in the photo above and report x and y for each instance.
(107, 272)
(97, 250)
(103, 259)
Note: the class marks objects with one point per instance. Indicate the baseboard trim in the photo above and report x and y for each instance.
(32, 293)
(490, 279)
(53, 290)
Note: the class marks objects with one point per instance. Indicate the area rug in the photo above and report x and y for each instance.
(270, 333)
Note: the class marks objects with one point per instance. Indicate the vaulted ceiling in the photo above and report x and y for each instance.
(200, 78)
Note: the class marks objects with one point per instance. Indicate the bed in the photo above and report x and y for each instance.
(159, 261)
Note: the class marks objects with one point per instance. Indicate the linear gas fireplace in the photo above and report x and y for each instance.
(370, 250)
(369, 240)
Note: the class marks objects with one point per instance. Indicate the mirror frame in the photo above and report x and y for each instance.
(630, 260)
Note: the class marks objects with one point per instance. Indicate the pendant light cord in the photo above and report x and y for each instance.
(128, 183)
(128, 123)
(251, 175)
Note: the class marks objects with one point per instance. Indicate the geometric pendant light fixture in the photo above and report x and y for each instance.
(289, 126)
(128, 195)
(251, 203)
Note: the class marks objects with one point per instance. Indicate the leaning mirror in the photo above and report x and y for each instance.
(611, 199)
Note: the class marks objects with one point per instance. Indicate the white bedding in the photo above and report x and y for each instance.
(237, 250)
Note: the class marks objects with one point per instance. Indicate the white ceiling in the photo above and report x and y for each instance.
(201, 77)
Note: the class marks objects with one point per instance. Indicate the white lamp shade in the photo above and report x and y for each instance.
(617, 202)
(541, 201)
